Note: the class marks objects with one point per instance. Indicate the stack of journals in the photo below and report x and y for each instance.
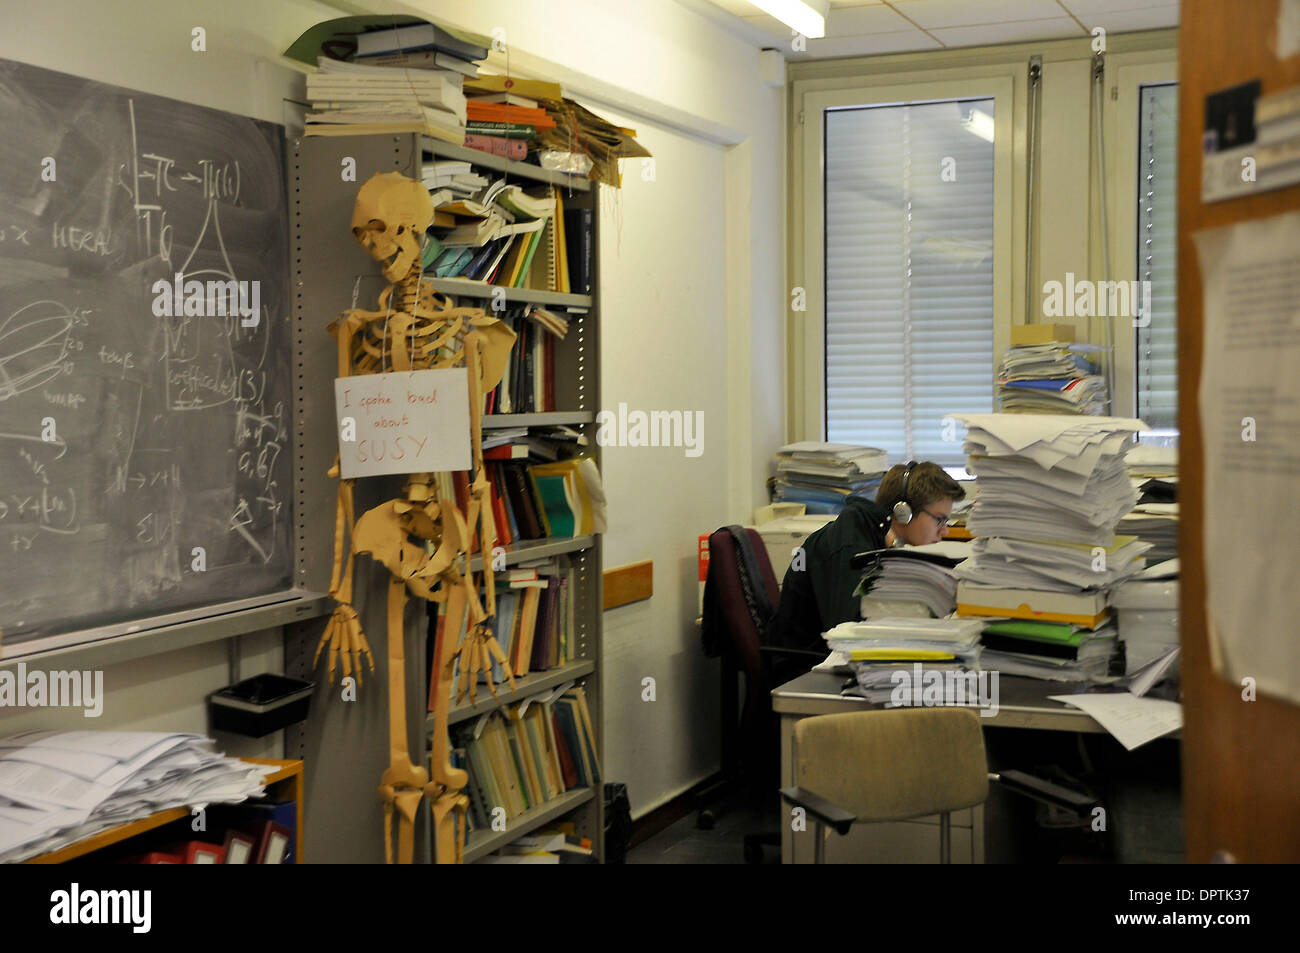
(1056, 651)
(407, 79)
(504, 123)
(880, 648)
(550, 846)
(915, 581)
(1052, 489)
(59, 787)
(822, 475)
(528, 754)
(1051, 378)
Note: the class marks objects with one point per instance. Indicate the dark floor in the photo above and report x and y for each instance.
(685, 843)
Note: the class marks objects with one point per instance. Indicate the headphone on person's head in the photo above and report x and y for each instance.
(903, 509)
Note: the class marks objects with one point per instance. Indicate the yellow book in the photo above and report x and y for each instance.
(900, 655)
(520, 732)
(528, 88)
(561, 250)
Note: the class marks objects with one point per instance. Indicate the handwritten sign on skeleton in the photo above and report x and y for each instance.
(403, 422)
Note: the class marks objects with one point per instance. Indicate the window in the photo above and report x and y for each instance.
(1156, 345)
(908, 206)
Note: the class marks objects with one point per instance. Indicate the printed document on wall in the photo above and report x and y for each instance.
(1250, 418)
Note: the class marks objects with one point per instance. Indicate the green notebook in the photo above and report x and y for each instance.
(559, 515)
(1060, 633)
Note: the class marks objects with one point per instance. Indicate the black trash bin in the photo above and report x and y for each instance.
(618, 823)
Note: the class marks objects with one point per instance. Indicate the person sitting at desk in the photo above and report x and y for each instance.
(911, 508)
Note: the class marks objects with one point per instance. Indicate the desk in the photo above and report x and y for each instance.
(1022, 703)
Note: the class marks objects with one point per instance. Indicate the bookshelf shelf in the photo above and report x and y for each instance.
(529, 685)
(526, 550)
(482, 843)
(481, 289)
(550, 419)
(525, 170)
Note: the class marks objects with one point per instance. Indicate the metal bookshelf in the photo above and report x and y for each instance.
(344, 745)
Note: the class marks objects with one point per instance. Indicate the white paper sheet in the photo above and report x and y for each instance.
(1131, 720)
(1250, 419)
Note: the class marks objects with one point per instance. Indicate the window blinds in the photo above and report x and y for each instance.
(909, 274)
(1157, 245)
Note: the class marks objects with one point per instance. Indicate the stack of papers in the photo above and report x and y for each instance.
(356, 98)
(1052, 489)
(1052, 378)
(917, 581)
(1049, 650)
(59, 787)
(1154, 523)
(881, 648)
(822, 475)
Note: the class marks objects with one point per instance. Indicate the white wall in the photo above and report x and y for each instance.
(692, 281)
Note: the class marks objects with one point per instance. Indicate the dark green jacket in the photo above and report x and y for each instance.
(819, 596)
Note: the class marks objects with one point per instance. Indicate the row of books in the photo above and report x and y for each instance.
(534, 625)
(528, 385)
(526, 755)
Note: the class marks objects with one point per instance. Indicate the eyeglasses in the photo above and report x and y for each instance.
(940, 521)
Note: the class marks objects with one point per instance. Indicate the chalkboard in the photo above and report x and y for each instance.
(145, 455)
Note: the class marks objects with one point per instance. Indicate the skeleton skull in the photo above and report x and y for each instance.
(391, 214)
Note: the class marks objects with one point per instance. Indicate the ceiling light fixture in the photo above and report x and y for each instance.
(806, 16)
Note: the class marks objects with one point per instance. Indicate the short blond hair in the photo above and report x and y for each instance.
(927, 484)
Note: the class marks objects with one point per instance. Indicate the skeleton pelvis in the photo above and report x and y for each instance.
(395, 532)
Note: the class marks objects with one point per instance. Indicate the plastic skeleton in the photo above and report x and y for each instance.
(417, 537)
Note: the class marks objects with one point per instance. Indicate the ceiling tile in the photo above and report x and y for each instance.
(848, 21)
(1055, 29)
(941, 14)
(1124, 21)
(1080, 7)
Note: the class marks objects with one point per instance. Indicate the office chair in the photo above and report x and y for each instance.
(750, 739)
(902, 763)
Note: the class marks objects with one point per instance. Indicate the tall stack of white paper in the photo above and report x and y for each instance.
(59, 787)
(880, 649)
(917, 581)
(1052, 489)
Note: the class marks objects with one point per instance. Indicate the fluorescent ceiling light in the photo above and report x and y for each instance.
(806, 16)
(979, 123)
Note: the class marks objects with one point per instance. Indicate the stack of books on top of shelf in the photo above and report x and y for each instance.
(879, 649)
(823, 475)
(1052, 489)
(60, 787)
(504, 123)
(401, 79)
(1052, 378)
(523, 756)
(915, 581)
(551, 846)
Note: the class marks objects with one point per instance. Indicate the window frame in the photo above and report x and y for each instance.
(1125, 130)
(998, 85)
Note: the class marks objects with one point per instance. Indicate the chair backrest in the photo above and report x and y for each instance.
(894, 764)
(724, 571)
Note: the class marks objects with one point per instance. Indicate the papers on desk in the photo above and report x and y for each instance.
(59, 787)
(920, 575)
(883, 652)
(1131, 720)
